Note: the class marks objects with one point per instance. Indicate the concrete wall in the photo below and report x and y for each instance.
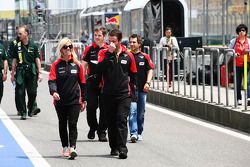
(207, 111)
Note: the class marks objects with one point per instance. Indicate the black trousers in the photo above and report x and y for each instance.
(94, 100)
(68, 118)
(117, 109)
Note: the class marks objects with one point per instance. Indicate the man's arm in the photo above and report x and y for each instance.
(150, 75)
(39, 69)
(175, 43)
(149, 78)
(105, 60)
(85, 66)
(13, 70)
(162, 43)
(5, 69)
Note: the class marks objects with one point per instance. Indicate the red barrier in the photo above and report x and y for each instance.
(223, 76)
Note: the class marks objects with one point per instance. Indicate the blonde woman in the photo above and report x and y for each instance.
(67, 86)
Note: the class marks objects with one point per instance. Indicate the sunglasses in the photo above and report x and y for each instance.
(242, 30)
(67, 46)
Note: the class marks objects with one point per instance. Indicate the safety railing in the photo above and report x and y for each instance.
(195, 70)
(231, 53)
(50, 47)
(215, 52)
(204, 77)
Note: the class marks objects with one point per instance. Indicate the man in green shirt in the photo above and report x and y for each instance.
(3, 69)
(26, 71)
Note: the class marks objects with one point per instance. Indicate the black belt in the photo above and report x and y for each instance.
(24, 66)
(94, 76)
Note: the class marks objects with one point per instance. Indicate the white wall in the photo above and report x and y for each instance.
(10, 5)
(98, 2)
(74, 4)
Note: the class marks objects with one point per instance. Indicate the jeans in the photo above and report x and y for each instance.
(136, 116)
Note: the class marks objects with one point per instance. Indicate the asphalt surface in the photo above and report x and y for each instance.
(168, 140)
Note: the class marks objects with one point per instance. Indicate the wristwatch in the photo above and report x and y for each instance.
(148, 83)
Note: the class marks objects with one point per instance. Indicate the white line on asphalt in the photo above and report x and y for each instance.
(27, 147)
(198, 122)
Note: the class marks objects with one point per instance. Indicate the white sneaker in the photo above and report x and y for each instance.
(72, 153)
(65, 152)
(133, 138)
(140, 138)
(239, 102)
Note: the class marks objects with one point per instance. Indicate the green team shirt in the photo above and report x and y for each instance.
(29, 52)
(10, 52)
(3, 56)
(11, 48)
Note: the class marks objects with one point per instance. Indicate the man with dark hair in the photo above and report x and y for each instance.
(90, 59)
(169, 41)
(26, 71)
(118, 69)
(241, 27)
(144, 75)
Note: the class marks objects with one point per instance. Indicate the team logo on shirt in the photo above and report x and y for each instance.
(141, 63)
(30, 50)
(61, 70)
(73, 71)
(94, 61)
(124, 61)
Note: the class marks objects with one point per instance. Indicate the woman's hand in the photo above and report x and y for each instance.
(56, 96)
(83, 106)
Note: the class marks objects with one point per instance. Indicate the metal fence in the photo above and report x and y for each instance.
(50, 50)
(200, 74)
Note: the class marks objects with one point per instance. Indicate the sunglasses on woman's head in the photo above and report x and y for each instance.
(67, 46)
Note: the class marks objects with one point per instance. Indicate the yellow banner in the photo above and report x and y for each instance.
(245, 71)
(238, 9)
(8, 14)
